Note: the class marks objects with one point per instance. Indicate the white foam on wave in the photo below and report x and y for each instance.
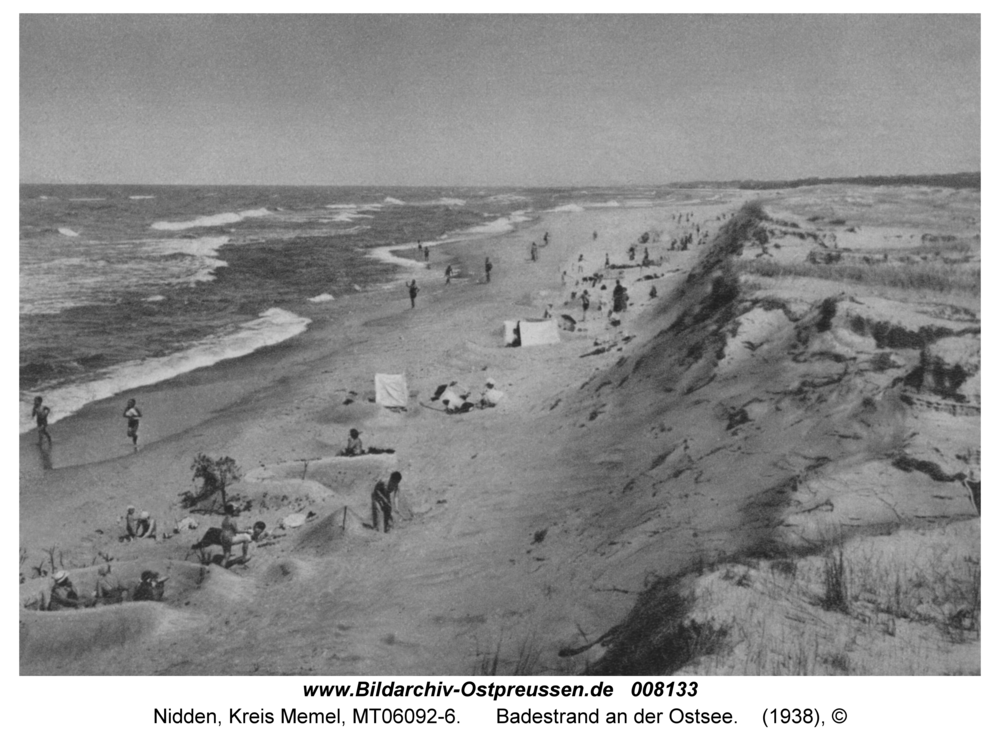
(322, 298)
(68, 232)
(271, 327)
(499, 226)
(342, 206)
(155, 298)
(509, 197)
(390, 200)
(445, 201)
(568, 208)
(612, 204)
(142, 197)
(214, 220)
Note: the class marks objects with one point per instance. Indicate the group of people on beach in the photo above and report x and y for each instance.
(62, 594)
(40, 413)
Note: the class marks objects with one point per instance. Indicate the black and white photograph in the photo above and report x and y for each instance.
(547, 345)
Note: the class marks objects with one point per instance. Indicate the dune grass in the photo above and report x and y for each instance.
(937, 277)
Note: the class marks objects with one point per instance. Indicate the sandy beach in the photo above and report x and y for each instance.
(618, 459)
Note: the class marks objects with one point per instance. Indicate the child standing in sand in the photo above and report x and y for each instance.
(41, 415)
(133, 414)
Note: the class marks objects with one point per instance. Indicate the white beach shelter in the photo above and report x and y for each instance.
(509, 331)
(538, 332)
(391, 391)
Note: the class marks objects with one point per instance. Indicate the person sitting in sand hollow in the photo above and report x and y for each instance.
(150, 587)
(139, 526)
(106, 592)
(412, 286)
(133, 414)
(63, 595)
(354, 446)
(383, 497)
(41, 415)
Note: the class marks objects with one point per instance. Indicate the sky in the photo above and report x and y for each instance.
(495, 100)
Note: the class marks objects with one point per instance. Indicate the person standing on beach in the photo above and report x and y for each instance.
(447, 274)
(489, 267)
(534, 252)
(413, 293)
(427, 253)
(133, 414)
(585, 301)
(41, 415)
(382, 498)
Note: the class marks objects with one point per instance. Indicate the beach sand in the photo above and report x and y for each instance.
(527, 529)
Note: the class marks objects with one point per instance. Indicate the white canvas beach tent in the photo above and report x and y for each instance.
(533, 332)
(391, 390)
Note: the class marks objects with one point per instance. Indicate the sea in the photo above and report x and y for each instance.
(126, 286)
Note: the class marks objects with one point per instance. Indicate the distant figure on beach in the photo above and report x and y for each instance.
(595, 234)
(645, 257)
(426, 250)
(105, 592)
(447, 274)
(489, 267)
(545, 239)
(41, 415)
(412, 286)
(585, 301)
(579, 264)
(383, 497)
(619, 298)
(652, 292)
(354, 446)
(139, 526)
(631, 253)
(133, 414)
(534, 252)
(63, 594)
(607, 260)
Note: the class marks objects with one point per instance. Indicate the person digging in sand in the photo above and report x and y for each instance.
(41, 415)
(383, 497)
(133, 414)
(139, 526)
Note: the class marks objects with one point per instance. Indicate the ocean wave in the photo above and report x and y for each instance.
(567, 208)
(88, 198)
(68, 232)
(271, 327)
(141, 197)
(321, 298)
(155, 298)
(342, 206)
(390, 200)
(499, 226)
(445, 201)
(612, 204)
(215, 220)
(509, 197)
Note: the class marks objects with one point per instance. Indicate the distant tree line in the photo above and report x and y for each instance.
(951, 180)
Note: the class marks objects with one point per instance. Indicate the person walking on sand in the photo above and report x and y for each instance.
(585, 301)
(489, 267)
(447, 274)
(413, 293)
(40, 413)
(133, 414)
(534, 252)
(382, 499)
